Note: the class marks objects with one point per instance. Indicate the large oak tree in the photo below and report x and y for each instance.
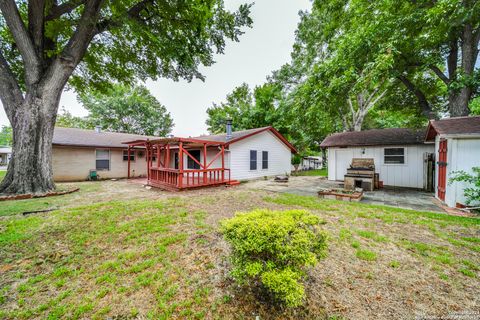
(47, 44)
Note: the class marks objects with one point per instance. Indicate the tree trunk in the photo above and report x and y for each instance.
(30, 168)
(458, 99)
(358, 124)
(458, 102)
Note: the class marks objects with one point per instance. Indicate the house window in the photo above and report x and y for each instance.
(102, 157)
(264, 159)
(394, 156)
(192, 164)
(253, 159)
(125, 155)
(176, 160)
(153, 156)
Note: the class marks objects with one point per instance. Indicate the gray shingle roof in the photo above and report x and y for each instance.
(375, 137)
(91, 138)
(458, 125)
(235, 135)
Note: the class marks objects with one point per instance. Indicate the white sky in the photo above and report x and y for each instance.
(262, 49)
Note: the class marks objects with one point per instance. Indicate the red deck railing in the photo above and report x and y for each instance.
(191, 178)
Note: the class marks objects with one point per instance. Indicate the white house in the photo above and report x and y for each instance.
(247, 154)
(457, 148)
(5, 154)
(311, 163)
(398, 154)
(256, 153)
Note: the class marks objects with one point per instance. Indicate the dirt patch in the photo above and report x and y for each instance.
(31, 196)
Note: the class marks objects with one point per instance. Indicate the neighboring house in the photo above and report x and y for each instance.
(311, 163)
(248, 154)
(457, 147)
(76, 152)
(398, 154)
(5, 154)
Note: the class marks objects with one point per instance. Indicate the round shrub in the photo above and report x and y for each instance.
(275, 249)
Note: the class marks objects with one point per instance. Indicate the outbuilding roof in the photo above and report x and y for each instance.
(91, 138)
(375, 137)
(458, 125)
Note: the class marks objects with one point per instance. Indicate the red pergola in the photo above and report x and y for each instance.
(161, 174)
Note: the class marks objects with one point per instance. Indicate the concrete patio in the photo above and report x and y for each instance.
(309, 186)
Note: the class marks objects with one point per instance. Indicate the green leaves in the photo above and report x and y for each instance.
(128, 109)
(275, 248)
(6, 136)
(247, 109)
(472, 190)
(163, 39)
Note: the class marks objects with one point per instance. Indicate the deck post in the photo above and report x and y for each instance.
(158, 156)
(223, 162)
(167, 157)
(180, 164)
(147, 147)
(128, 153)
(204, 163)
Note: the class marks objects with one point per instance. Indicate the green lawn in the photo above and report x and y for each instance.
(117, 250)
(2, 174)
(317, 172)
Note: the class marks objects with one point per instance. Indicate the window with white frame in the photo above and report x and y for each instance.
(125, 155)
(102, 159)
(264, 160)
(253, 159)
(394, 156)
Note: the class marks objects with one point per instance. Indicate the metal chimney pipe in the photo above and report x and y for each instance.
(98, 129)
(229, 129)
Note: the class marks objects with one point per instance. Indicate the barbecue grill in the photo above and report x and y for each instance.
(361, 174)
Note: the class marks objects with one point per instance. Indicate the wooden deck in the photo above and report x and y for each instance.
(172, 175)
(173, 179)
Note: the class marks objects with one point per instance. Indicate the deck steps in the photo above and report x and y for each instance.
(233, 183)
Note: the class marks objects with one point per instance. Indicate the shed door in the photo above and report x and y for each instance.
(343, 159)
(442, 169)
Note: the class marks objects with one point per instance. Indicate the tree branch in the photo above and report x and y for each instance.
(132, 13)
(421, 98)
(371, 104)
(374, 92)
(22, 39)
(452, 59)
(36, 24)
(10, 92)
(67, 7)
(440, 74)
(62, 67)
(83, 35)
(350, 104)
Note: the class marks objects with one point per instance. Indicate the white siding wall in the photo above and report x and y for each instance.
(409, 174)
(462, 154)
(279, 157)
